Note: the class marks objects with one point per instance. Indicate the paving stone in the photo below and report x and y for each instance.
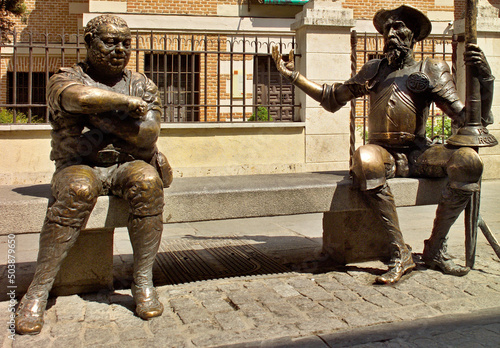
(347, 295)
(284, 313)
(356, 320)
(102, 335)
(415, 312)
(427, 295)
(136, 333)
(169, 340)
(62, 329)
(330, 284)
(285, 290)
(400, 297)
(164, 323)
(41, 340)
(338, 308)
(230, 321)
(189, 311)
(240, 297)
(322, 325)
(382, 301)
(73, 341)
(216, 305)
(453, 306)
(364, 307)
(97, 312)
(300, 283)
(70, 308)
(316, 293)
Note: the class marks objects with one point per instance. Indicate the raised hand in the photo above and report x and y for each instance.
(286, 69)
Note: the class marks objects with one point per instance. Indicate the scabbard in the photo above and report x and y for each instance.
(489, 236)
(471, 224)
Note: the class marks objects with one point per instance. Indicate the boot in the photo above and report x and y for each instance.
(55, 242)
(29, 316)
(147, 302)
(381, 201)
(145, 236)
(449, 208)
(402, 263)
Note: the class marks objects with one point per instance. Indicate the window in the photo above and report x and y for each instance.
(274, 92)
(178, 79)
(21, 88)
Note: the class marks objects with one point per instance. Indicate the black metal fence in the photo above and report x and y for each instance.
(201, 78)
(366, 46)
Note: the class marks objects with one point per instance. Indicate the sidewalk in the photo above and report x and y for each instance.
(270, 287)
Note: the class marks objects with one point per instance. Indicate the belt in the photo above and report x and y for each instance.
(392, 138)
(110, 157)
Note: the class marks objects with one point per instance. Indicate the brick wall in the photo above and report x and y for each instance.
(365, 9)
(52, 16)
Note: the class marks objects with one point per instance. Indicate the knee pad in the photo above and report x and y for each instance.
(144, 191)
(75, 199)
(371, 166)
(464, 169)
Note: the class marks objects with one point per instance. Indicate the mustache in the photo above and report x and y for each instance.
(395, 42)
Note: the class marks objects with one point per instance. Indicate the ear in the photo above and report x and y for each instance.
(88, 39)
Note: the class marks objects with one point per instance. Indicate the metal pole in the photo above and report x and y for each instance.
(473, 134)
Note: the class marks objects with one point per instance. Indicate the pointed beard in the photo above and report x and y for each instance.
(396, 54)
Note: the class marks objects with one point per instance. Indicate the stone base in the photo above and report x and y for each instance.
(89, 264)
(354, 236)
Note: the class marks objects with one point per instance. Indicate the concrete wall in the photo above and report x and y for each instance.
(193, 150)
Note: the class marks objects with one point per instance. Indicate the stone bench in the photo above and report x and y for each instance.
(89, 264)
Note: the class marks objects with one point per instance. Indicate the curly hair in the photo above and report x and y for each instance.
(94, 24)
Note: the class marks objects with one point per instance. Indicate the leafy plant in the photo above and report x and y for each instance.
(262, 115)
(7, 116)
(438, 126)
(9, 9)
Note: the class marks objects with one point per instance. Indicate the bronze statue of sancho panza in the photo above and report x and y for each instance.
(106, 121)
(401, 90)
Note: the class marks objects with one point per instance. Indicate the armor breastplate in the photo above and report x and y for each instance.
(395, 106)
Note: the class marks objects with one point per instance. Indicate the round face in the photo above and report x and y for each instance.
(109, 50)
(396, 33)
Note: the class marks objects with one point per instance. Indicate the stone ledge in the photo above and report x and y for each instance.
(224, 197)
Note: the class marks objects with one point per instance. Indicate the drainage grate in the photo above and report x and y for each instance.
(218, 257)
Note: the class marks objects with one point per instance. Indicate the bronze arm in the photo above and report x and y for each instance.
(320, 93)
(141, 129)
(81, 99)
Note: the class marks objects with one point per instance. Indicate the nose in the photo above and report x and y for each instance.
(391, 32)
(120, 47)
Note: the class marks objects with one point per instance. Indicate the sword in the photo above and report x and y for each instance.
(489, 236)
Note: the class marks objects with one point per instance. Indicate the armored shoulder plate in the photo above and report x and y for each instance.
(367, 72)
(438, 72)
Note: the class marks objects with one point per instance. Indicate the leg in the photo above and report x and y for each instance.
(140, 184)
(464, 169)
(372, 164)
(75, 189)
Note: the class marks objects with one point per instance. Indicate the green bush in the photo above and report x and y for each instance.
(442, 127)
(262, 115)
(7, 116)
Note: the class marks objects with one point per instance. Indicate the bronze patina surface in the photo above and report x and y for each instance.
(105, 123)
(401, 91)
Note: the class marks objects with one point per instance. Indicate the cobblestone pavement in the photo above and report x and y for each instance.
(313, 305)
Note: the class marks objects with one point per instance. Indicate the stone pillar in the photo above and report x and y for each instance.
(488, 38)
(323, 41)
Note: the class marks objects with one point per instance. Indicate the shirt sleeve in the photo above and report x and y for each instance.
(63, 79)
